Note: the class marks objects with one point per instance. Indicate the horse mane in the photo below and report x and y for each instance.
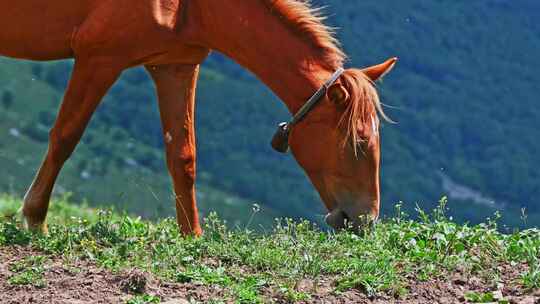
(364, 103)
(308, 22)
(362, 107)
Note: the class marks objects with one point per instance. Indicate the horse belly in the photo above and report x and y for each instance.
(40, 30)
(35, 48)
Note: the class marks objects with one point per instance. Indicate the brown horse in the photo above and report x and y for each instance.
(283, 42)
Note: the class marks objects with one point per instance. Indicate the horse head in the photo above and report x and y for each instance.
(338, 146)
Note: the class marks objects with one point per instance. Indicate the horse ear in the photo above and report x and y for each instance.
(338, 94)
(377, 72)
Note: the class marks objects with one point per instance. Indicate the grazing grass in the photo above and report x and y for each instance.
(251, 266)
(28, 271)
(60, 211)
(143, 299)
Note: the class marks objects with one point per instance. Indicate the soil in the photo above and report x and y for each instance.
(84, 282)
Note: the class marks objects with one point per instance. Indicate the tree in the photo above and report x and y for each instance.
(7, 99)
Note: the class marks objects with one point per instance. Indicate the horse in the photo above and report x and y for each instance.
(334, 137)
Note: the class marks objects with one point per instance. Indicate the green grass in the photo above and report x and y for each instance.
(246, 263)
(60, 210)
(28, 271)
(143, 299)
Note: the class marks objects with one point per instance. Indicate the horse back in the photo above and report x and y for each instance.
(40, 30)
(142, 31)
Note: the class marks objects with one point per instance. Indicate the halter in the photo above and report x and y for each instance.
(280, 140)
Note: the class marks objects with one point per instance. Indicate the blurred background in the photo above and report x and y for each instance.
(465, 94)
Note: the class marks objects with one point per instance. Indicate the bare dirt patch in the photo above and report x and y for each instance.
(84, 282)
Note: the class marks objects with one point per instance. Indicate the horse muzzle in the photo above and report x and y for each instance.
(341, 220)
(336, 219)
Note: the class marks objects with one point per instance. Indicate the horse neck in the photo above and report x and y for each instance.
(259, 40)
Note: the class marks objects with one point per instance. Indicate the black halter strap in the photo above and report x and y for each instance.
(280, 141)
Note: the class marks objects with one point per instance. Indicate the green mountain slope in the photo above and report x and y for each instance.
(464, 93)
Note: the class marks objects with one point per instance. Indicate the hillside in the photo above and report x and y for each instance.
(464, 93)
(465, 96)
(102, 256)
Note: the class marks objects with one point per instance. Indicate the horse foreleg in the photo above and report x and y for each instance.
(90, 80)
(175, 87)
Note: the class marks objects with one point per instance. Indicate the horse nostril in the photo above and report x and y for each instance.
(347, 222)
(345, 216)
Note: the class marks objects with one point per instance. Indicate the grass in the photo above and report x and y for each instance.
(60, 211)
(28, 271)
(247, 265)
(143, 299)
